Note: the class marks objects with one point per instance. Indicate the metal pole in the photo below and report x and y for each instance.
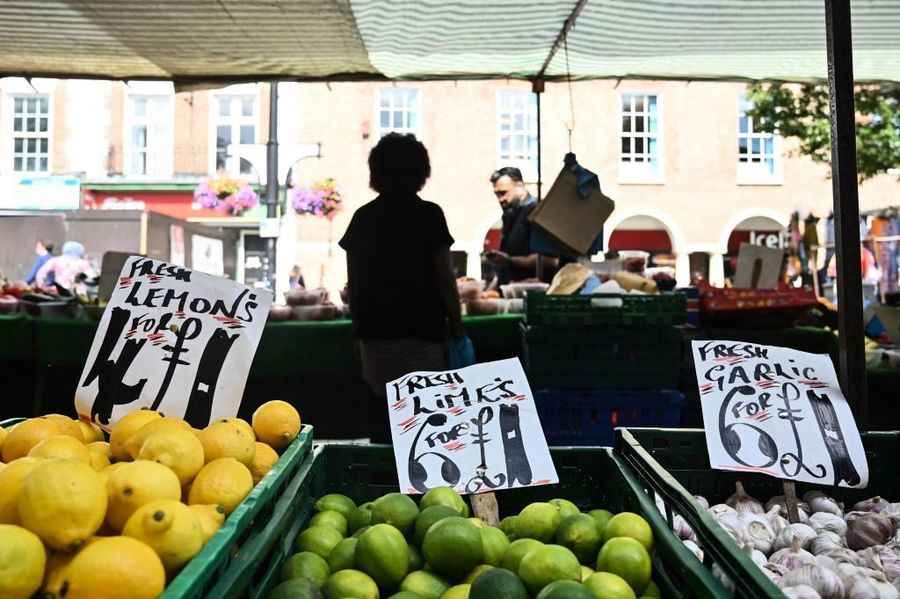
(272, 178)
(537, 87)
(852, 367)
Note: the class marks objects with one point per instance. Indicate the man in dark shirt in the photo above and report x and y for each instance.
(515, 261)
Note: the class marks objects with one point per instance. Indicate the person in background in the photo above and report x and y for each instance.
(515, 261)
(295, 278)
(44, 251)
(66, 268)
(403, 316)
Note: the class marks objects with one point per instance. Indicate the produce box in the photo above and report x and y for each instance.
(588, 417)
(241, 531)
(674, 465)
(590, 477)
(602, 357)
(605, 309)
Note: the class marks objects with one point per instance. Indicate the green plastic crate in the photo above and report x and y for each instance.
(591, 477)
(674, 464)
(605, 309)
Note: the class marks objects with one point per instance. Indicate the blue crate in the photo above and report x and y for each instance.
(588, 417)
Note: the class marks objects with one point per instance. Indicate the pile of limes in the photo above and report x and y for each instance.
(393, 548)
(81, 517)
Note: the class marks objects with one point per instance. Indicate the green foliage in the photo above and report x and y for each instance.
(803, 112)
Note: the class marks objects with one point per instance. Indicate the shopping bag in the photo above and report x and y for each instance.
(462, 353)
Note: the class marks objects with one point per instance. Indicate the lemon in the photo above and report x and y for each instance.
(170, 528)
(100, 447)
(124, 428)
(2, 437)
(91, 432)
(222, 482)
(276, 423)
(263, 461)
(114, 567)
(11, 480)
(54, 571)
(179, 450)
(63, 502)
(22, 562)
(136, 439)
(227, 440)
(26, 435)
(67, 426)
(210, 518)
(99, 456)
(63, 447)
(136, 484)
(241, 423)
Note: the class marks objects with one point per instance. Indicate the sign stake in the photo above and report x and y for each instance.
(485, 507)
(790, 500)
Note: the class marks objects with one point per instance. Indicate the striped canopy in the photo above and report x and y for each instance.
(233, 40)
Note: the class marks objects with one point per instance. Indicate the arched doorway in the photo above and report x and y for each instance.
(755, 230)
(645, 234)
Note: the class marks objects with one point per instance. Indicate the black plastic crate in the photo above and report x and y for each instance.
(605, 309)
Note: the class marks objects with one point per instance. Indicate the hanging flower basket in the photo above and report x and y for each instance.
(321, 199)
(228, 196)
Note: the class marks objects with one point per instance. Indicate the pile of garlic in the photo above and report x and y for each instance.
(828, 554)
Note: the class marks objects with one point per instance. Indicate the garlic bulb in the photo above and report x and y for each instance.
(820, 502)
(774, 576)
(695, 549)
(723, 578)
(800, 531)
(742, 502)
(800, 591)
(866, 531)
(702, 501)
(732, 524)
(826, 562)
(825, 582)
(821, 521)
(874, 504)
(882, 559)
(824, 542)
(720, 508)
(757, 531)
(776, 520)
(803, 510)
(792, 557)
(755, 556)
(683, 529)
(867, 588)
(843, 555)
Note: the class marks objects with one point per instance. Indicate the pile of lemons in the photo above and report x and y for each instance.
(81, 517)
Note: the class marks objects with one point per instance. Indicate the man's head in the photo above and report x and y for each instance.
(398, 164)
(43, 247)
(509, 188)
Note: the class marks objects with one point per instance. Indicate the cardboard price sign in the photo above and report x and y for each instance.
(475, 429)
(777, 411)
(174, 340)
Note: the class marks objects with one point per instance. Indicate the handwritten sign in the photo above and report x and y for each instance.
(777, 411)
(475, 429)
(174, 340)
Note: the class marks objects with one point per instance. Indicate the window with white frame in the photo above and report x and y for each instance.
(640, 157)
(399, 111)
(149, 135)
(517, 131)
(758, 152)
(31, 134)
(236, 121)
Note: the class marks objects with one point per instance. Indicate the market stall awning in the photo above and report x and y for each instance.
(231, 40)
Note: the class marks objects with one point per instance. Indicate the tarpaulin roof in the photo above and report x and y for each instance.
(232, 40)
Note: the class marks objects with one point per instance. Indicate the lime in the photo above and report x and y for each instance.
(517, 550)
(424, 584)
(495, 544)
(306, 565)
(445, 496)
(585, 572)
(547, 564)
(579, 533)
(601, 517)
(360, 531)
(331, 518)
(318, 539)
(627, 524)
(360, 517)
(405, 595)
(336, 502)
(604, 585)
(460, 591)
(538, 521)
(566, 508)
(383, 554)
(475, 573)
(415, 559)
(452, 547)
(498, 583)
(565, 589)
(652, 591)
(350, 584)
(296, 588)
(627, 558)
(508, 526)
(395, 509)
(429, 516)
(343, 556)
